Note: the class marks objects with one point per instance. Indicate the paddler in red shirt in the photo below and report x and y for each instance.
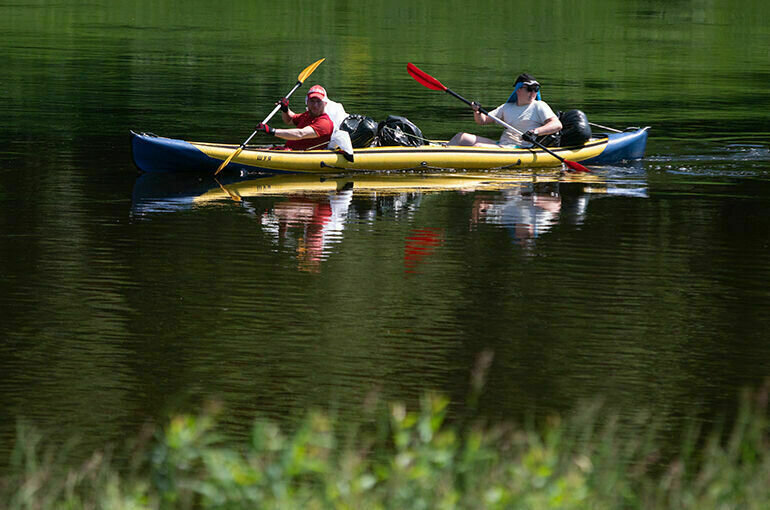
(314, 127)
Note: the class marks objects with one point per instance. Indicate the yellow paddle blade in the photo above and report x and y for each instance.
(309, 70)
(229, 158)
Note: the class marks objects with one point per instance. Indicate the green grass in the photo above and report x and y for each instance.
(412, 459)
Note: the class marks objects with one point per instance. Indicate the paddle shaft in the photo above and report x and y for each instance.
(605, 127)
(275, 110)
(239, 149)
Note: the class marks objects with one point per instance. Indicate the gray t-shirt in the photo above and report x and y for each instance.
(523, 118)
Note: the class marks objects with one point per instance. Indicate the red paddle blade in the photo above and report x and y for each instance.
(424, 78)
(576, 166)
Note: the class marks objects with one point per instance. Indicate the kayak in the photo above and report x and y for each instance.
(156, 154)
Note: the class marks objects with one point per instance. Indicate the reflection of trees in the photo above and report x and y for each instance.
(614, 305)
(632, 308)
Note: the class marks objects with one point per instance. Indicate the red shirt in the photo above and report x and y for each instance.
(323, 127)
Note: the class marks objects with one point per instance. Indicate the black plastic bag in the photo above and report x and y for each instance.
(362, 130)
(397, 130)
(575, 128)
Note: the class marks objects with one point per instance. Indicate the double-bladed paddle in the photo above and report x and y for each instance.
(432, 83)
(300, 79)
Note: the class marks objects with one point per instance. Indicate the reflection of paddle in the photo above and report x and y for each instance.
(432, 83)
(301, 78)
(235, 196)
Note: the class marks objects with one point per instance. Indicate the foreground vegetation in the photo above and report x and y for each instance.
(411, 460)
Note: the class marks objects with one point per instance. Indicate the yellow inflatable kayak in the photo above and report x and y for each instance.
(157, 154)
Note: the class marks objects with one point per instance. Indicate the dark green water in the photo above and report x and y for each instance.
(646, 288)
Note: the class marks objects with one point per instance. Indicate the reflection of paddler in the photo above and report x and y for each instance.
(307, 215)
(527, 215)
(300, 211)
(320, 220)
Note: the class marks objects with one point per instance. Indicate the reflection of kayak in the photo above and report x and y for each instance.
(383, 184)
(157, 154)
(164, 192)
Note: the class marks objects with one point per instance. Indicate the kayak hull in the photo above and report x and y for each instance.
(155, 154)
(626, 146)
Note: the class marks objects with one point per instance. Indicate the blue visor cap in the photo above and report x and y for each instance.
(512, 99)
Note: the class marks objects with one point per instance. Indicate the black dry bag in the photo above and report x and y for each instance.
(397, 130)
(575, 128)
(362, 130)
